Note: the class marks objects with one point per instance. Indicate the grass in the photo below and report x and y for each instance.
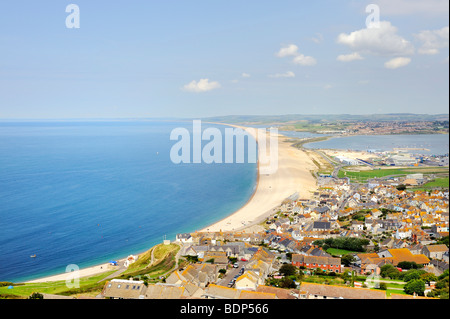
(437, 183)
(164, 261)
(393, 291)
(88, 286)
(340, 252)
(363, 176)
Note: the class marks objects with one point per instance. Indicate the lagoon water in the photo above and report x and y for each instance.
(87, 192)
(436, 144)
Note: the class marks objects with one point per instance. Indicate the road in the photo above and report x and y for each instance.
(231, 273)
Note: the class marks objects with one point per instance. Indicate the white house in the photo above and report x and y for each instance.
(184, 238)
(130, 259)
(403, 233)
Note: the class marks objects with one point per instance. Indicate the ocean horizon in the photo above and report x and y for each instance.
(86, 192)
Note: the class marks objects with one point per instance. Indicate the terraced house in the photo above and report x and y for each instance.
(313, 262)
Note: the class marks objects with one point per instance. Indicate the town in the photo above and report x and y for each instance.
(369, 240)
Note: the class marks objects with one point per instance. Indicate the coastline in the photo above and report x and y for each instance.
(293, 176)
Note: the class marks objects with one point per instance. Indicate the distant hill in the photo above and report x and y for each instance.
(324, 118)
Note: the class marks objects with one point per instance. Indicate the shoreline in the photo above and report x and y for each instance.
(293, 176)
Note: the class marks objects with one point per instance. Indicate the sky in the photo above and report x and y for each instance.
(198, 58)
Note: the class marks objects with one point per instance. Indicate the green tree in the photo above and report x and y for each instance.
(415, 286)
(347, 259)
(389, 271)
(36, 295)
(288, 270)
(287, 283)
(428, 277)
(413, 274)
(408, 265)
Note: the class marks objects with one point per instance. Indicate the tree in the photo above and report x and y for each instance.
(413, 274)
(389, 271)
(287, 282)
(383, 286)
(36, 295)
(408, 265)
(428, 277)
(347, 259)
(288, 270)
(415, 286)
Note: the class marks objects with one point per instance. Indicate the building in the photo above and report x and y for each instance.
(124, 289)
(318, 291)
(347, 161)
(248, 281)
(313, 262)
(435, 251)
(321, 226)
(400, 160)
(396, 256)
(184, 238)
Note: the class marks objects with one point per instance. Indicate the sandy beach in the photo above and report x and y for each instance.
(85, 272)
(293, 175)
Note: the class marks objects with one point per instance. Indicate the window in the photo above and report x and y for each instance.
(118, 286)
(128, 286)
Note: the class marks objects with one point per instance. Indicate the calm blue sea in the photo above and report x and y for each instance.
(87, 192)
(437, 144)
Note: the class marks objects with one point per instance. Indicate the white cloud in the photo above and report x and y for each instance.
(204, 85)
(433, 40)
(397, 63)
(300, 59)
(246, 75)
(290, 50)
(350, 57)
(288, 74)
(382, 41)
(409, 7)
(305, 60)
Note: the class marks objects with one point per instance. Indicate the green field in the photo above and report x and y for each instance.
(437, 183)
(340, 252)
(88, 286)
(363, 176)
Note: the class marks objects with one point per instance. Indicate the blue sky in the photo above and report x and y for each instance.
(207, 58)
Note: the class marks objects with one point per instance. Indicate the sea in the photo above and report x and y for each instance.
(87, 192)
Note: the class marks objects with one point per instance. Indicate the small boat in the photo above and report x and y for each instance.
(33, 256)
